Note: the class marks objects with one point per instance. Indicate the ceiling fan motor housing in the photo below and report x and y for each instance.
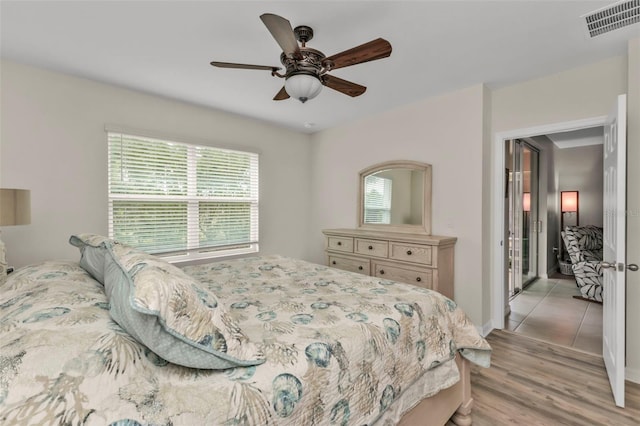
(311, 63)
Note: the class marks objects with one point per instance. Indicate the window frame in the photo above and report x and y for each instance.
(193, 250)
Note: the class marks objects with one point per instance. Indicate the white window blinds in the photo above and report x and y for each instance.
(377, 207)
(187, 200)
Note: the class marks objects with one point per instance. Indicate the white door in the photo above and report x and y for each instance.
(613, 283)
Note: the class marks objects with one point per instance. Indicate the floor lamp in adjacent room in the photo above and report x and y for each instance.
(569, 208)
(569, 203)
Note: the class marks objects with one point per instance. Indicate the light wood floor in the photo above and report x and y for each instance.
(532, 382)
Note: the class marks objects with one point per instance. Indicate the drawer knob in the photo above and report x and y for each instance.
(370, 247)
(409, 253)
(381, 271)
(333, 263)
(360, 268)
(339, 243)
(418, 279)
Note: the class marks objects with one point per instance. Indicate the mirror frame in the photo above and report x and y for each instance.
(425, 227)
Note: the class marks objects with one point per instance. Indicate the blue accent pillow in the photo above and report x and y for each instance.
(164, 308)
(92, 253)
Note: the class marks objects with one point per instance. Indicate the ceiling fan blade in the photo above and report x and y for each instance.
(244, 66)
(375, 49)
(281, 30)
(281, 95)
(343, 86)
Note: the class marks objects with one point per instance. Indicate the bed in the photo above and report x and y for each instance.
(311, 345)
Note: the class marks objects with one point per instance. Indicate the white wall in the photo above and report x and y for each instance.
(575, 94)
(633, 210)
(580, 169)
(445, 132)
(54, 143)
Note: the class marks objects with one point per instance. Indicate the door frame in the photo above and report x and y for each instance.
(497, 218)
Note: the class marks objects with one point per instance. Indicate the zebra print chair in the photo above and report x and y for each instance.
(584, 246)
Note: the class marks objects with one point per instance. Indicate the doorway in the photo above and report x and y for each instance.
(500, 226)
(544, 167)
(522, 161)
(614, 238)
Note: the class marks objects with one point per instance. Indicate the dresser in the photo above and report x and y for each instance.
(423, 260)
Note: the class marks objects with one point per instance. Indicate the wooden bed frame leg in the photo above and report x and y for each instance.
(462, 417)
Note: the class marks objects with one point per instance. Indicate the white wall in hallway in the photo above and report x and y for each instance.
(580, 169)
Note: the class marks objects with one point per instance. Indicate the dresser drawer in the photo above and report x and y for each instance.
(344, 244)
(361, 266)
(415, 253)
(375, 248)
(416, 276)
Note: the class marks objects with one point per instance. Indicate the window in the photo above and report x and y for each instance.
(378, 200)
(182, 200)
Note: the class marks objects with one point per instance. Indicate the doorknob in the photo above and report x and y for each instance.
(619, 266)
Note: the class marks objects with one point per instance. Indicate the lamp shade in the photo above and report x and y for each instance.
(303, 86)
(526, 202)
(569, 201)
(15, 207)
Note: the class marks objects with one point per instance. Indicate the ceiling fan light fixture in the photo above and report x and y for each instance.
(303, 86)
(306, 69)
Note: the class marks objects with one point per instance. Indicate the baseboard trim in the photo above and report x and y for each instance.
(485, 329)
(632, 375)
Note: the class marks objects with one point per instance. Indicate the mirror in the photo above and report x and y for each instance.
(396, 196)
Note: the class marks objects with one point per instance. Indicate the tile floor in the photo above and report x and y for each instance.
(547, 311)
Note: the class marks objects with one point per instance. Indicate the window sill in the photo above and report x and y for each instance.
(196, 256)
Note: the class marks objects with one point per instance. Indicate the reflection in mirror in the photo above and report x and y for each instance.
(396, 196)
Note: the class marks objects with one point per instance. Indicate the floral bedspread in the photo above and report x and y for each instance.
(340, 347)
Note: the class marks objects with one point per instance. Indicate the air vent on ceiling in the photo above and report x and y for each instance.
(610, 18)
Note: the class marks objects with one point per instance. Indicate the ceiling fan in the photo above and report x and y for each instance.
(306, 69)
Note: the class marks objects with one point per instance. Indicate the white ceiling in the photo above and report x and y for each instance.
(164, 48)
(578, 138)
